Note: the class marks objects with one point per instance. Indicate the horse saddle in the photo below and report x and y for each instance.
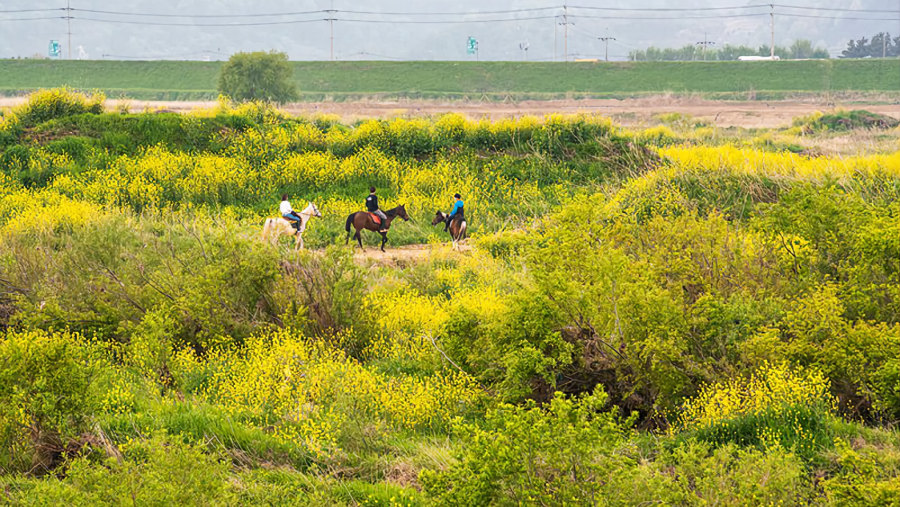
(375, 218)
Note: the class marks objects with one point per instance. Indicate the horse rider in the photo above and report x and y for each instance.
(372, 207)
(288, 213)
(456, 213)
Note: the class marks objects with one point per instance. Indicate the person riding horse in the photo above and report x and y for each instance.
(288, 213)
(372, 207)
(457, 213)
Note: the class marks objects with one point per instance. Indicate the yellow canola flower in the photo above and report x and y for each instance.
(772, 387)
(754, 162)
(306, 389)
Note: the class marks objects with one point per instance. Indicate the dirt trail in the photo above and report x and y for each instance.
(401, 255)
(628, 112)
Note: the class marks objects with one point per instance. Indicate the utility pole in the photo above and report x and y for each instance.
(69, 29)
(772, 14)
(704, 43)
(566, 33)
(331, 21)
(565, 23)
(606, 41)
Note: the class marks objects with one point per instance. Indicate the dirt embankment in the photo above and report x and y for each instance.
(628, 112)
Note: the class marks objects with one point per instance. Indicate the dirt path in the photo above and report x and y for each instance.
(401, 255)
(628, 112)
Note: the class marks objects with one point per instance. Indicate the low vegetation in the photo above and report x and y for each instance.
(475, 81)
(675, 315)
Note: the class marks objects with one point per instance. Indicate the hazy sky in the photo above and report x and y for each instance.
(399, 35)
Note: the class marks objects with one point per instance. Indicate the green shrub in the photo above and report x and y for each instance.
(693, 473)
(46, 399)
(160, 470)
(866, 476)
(529, 455)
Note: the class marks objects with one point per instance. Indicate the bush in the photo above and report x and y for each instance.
(865, 476)
(57, 103)
(694, 473)
(258, 76)
(529, 455)
(160, 470)
(46, 399)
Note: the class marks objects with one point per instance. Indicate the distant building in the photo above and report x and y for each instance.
(758, 58)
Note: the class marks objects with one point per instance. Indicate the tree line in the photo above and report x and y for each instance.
(881, 45)
(800, 49)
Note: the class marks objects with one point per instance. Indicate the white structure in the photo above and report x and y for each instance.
(758, 58)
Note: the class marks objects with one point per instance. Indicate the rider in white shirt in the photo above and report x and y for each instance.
(287, 212)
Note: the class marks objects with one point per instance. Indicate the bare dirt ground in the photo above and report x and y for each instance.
(400, 255)
(628, 112)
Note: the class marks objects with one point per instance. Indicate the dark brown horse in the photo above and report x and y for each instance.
(457, 227)
(363, 220)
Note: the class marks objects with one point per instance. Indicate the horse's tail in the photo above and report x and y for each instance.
(462, 230)
(265, 230)
(349, 221)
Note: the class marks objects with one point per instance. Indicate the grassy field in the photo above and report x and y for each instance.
(496, 80)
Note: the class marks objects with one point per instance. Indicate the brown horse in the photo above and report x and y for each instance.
(363, 220)
(457, 227)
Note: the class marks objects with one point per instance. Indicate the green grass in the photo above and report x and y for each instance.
(474, 80)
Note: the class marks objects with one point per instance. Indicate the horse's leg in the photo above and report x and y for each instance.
(358, 238)
(298, 243)
(383, 240)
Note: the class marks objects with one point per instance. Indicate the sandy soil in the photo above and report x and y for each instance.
(629, 112)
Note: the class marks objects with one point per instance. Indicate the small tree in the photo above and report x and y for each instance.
(258, 76)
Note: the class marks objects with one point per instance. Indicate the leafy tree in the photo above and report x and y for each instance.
(881, 45)
(258, 76)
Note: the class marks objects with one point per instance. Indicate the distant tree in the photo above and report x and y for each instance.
(800, 49)
(258, 76)
(881, 45)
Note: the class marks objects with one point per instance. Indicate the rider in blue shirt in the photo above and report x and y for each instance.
(456, 212)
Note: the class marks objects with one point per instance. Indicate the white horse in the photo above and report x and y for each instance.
(277, 227)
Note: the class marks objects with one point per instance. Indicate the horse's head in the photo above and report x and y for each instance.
(439, 217)
(401, 212)
(313, 210)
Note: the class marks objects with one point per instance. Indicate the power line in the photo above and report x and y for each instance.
(33, 19)
(838, 9)
(441, 22)
(670, 9)
(458, 13)
(8, 11)
(160, 15)
(160, 23)
(669, 18)
(848, 18)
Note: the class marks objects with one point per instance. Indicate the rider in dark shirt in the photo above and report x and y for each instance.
(372, 207)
